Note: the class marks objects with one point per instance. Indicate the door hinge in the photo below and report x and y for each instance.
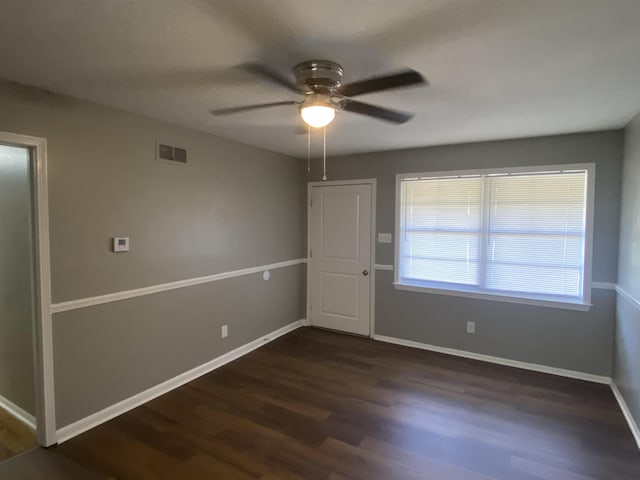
(311, 202)
(310, 253)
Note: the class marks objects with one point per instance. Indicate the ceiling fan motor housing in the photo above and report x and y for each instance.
(318, 76)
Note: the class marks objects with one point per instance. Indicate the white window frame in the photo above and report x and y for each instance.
(583, 305)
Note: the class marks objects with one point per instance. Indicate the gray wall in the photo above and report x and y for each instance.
(231, 207)
(581, 341)
(16, 286)
(627, 354)
(134, 344)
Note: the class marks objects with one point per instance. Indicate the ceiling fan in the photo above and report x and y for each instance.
(320, 81)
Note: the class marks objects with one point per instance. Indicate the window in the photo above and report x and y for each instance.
(504, 234)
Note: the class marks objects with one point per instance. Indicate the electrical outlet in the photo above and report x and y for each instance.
(471, 327)
(225, 331)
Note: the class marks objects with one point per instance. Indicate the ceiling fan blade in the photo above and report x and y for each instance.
(274, 77)
(244, 108)
(392, 116)
(405, 78)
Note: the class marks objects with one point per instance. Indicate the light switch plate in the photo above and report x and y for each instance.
(120, 244)
(384, 238)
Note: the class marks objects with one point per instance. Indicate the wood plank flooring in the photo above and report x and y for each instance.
(44, 464)
(320, 405)
(15, 437)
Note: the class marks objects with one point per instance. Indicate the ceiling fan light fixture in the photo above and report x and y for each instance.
(317, 115)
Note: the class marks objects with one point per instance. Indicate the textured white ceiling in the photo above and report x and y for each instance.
(498, 68)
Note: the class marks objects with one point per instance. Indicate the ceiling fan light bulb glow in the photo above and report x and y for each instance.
(317, 116)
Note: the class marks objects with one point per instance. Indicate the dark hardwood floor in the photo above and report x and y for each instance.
(320, 405)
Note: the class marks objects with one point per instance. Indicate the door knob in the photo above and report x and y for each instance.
(365, 272)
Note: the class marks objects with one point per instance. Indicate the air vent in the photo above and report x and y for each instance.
(173, 154)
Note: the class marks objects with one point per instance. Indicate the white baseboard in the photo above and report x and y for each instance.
(18, 412)
(635, 430)
(76, 428)
(498, 360)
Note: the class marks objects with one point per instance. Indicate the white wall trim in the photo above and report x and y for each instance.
(379, 266)
(163, 287)
(353, 181)
(76, 428)
(18, 412)
(635, 430)
(497, 360)
(627, 296)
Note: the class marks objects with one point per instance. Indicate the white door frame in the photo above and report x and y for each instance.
(372, 271)
(43, 332)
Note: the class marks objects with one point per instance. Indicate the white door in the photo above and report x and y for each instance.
(340, 257)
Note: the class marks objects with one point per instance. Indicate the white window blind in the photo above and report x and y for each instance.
(519, 233)
(441, 232)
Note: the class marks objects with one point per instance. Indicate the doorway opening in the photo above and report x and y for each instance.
(26, 359)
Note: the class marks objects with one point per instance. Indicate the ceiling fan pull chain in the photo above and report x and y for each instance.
(308, 150)
(324, 153)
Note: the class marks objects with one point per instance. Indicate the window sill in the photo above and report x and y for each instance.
(584, 307)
